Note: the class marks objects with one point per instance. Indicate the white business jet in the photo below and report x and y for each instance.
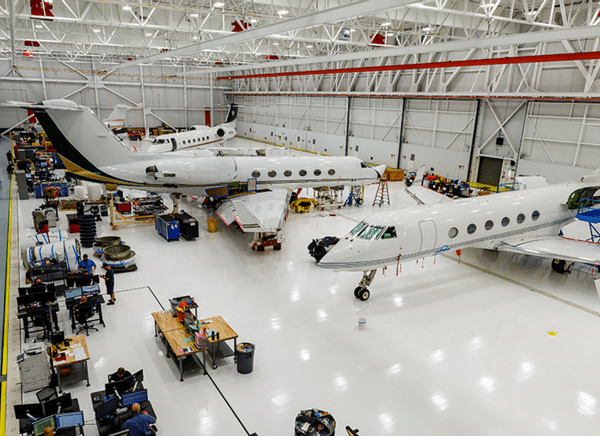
(116, 119)
(523, 222)
(197, 136)
(90, 151)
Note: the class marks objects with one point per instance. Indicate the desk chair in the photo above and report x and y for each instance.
(48, 393)
(42, 319)
(82, 316)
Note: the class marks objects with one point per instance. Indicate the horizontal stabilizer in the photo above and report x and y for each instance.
(260, 212)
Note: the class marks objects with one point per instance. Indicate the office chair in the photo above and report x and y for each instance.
(48, 393)
(42, 319)
(82, 316)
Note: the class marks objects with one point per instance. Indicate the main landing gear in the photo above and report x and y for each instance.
(361, 292)
(561, 266)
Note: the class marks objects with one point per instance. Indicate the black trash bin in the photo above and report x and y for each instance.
(245, 357)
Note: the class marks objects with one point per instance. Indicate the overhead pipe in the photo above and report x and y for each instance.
(559, 57)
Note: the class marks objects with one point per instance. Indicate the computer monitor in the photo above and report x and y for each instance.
(25, 411)
(69, 419)
(139, 376)
(25, 300)
(23, 291)
(109, 389)
(36, 289)
(106, 408)
(55, 405)
(72, 293)
(50, 288)
(90, 290)
(126, 384)
(40, 425)
(45, 297)
(134, 397)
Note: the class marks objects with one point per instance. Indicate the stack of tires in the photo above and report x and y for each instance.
(87, 230)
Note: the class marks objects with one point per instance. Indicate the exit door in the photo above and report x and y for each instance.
(428, 235)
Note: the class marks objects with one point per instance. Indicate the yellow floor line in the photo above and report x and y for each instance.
(5, 329)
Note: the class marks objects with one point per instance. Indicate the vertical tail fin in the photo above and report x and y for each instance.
(117, 116)
(232, 115)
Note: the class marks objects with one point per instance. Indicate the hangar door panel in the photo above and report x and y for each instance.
(490, 170)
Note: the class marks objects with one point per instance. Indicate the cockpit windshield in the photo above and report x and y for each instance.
(371, 232)
(358, 228)
(158, 141)
(363, 165)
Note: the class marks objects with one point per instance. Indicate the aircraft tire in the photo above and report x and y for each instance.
(357, 290)
(558, 266)
(364, 294)
(277, 247)
(260, 248)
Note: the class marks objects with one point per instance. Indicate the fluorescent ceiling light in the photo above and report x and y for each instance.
(38, 26)
(194, 15)
(194, 37)
(387, 23)
(309, 46)
(283, 12)
(426, 29)
(275, 43)
(126, 8)
(219, 4)
(390, 34)
(96, 30)
(253, 20)
(148, 33)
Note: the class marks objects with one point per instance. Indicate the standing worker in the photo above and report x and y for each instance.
(87, 265)
(109, 280)
(139, 425)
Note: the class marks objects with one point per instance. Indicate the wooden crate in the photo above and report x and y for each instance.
(393, 174)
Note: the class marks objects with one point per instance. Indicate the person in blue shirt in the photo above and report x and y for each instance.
(87, 266)
(139, 425)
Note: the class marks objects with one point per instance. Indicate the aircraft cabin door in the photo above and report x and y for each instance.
(428, 235)
(174, 142)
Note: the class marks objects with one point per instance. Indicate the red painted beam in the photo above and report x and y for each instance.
(561, 57)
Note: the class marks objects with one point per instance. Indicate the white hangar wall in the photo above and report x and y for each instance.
(456, 137)
(160, 97)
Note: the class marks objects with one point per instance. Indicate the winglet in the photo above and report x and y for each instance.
(419, 176)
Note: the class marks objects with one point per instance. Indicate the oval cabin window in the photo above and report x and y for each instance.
(520, 218)
(302, 173)
(535, 215)
(453, 232)
(256, 174)
(471, 229)
(489, 225)
(505, 221)
(272, 173)
(287, 173)
(331, 172)
(317, 172)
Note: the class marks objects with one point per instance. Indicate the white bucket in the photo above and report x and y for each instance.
(362, 323)
(94, 191)
(80, 192)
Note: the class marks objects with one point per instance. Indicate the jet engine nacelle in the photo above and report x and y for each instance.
(220, 132)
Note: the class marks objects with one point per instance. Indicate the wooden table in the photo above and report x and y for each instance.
(71, 362)
(174, 333)
(216, 345)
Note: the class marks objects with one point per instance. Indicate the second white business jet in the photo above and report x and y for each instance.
(524, 222)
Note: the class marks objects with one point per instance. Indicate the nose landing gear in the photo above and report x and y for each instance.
(361, 292)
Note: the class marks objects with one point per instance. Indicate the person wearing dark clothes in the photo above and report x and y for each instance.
(79, 309)
(121, 374)
(139, 425)
(9, 157)
(109, 280)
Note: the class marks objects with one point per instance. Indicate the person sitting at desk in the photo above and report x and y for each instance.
(78, 309)
(139, 425)
(121, 374)
(38, 284)
(87, 265)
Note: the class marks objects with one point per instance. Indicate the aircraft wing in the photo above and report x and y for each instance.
(553, 247)
(424, 195)
(258, 212)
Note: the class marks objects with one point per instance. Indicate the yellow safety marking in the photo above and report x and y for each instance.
(5, 336)
(552, 333)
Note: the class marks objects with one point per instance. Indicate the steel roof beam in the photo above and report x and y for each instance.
(506, 40)
(307, 21)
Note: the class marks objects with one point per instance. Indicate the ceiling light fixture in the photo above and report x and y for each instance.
(253, 20)
(386, 24)
(148, 33)
(126, 8)
(309, 46)
(194, 37)
(96, 30)
(219, 4)
(194, 15)
(283, 12)
(38, 26)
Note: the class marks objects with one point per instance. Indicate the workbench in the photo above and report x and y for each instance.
(73, 367)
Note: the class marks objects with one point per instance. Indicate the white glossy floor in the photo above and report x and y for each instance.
(448, 348)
